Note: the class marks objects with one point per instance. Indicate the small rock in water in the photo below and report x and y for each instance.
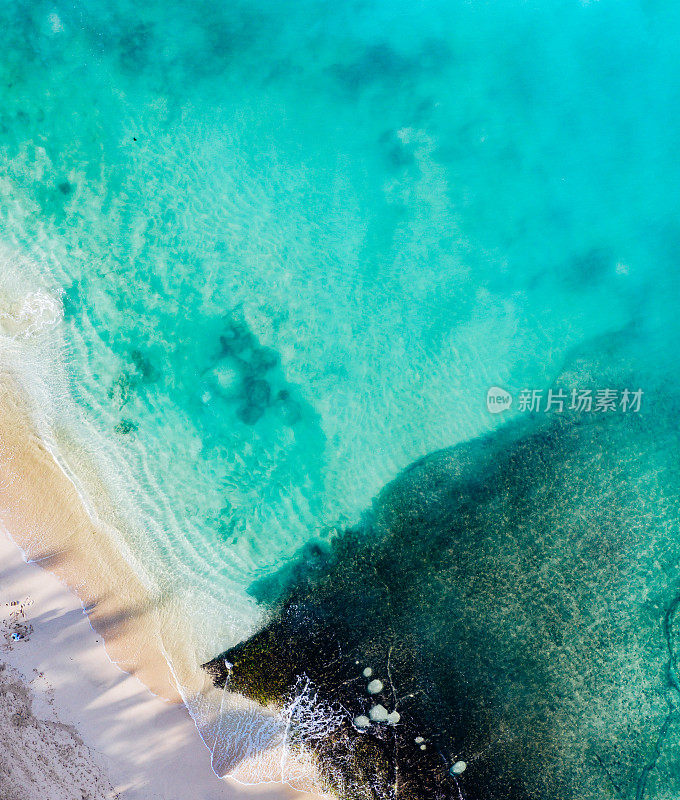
(258, 392)
(126, 426)
(419, 740)
(423, 747)
(250, 414)
(393, 717)
(378, 714)
(362, 721)
(368, 672)
(458, 768)
(375, 686)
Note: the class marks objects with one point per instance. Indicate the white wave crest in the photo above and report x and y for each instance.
(39, 310)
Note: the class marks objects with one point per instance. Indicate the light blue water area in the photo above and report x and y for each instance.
(297, 242)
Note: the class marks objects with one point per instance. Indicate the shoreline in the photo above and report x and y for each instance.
(42, 512)
(148, 749)
(110, 633)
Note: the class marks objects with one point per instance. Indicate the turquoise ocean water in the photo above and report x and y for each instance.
(263, 256)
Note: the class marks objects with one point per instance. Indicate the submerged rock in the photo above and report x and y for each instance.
(126, 426)
(378, 714)
(519, 593)
(258, 392)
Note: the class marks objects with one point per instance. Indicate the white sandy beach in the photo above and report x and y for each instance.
(94, 731)
(75, 724)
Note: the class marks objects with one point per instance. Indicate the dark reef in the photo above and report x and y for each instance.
(517, 597)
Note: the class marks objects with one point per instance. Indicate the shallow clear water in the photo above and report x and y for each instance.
(295, 244)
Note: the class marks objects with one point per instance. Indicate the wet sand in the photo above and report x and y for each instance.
(117, 706)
